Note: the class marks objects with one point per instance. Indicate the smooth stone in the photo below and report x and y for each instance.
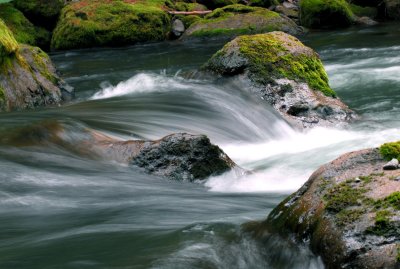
(178, 28)
(392, 165)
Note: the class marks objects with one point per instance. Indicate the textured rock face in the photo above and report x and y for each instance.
(348, 211)
(178, 156)
(393, 9)
(91, 23)
(237, 20)
(286, 74)
(27, 77)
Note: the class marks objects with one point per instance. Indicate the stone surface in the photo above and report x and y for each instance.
(286, 74)
(178, 28)
(177, 156)
(392, 165)
(392, 9)
(349, 224)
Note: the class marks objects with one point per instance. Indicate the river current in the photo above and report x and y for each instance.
(59, 210)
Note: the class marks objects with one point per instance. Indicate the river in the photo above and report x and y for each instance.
(59, 210)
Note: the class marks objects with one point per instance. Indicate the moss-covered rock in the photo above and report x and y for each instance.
(348, 211)
(212, 4)
(27, 77)
(183, 6)
(237, 20)
(40, 12)
(390, 150)
(325, 13)
(24, 31)
(371, 12)
(90, 23)
(286, 74)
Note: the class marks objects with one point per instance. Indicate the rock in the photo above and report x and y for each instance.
(41, 12)
(99, 23)
(392, 9)
(289, 12)
(178, 156)
(178, 28)
(392, 165)
(286, 74)
(23, 30)
(349, 224)
(237, 20)
(212, 4)
(28, 79)
(366, 21)
(325, 14)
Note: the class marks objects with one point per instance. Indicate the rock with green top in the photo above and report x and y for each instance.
(212, 4)
(237, 20)
(96, 23)
(41, 12)
(27, 77)
(286, 74)
(348, 212)
(326, 13)
(24, 31)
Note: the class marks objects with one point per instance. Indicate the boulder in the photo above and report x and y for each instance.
(23, 30)
(286, 74)
(348, 212)
(392, 9)
(96, 23)
(27, 77)
(237, 20)
(178, 156)
(325, 14)
(41, 12)
(212, 4)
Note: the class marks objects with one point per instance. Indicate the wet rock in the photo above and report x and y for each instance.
(392, 165)
(178, 28)
(178, 156)
(234, 20)
(349, 224)
(392, 9)
(366, 21)
(28, 78)
(286, 74)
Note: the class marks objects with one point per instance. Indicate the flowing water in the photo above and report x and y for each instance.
(58, 210)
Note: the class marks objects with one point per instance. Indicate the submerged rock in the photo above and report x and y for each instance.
(178, 156)
(286, 74)
(348, 212)
(237, 20)
(27, 77)
(96, 23)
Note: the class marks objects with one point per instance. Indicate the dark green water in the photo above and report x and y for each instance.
(58, 210)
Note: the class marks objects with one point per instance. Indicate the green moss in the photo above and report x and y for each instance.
(8, 44)
(189, 20)
(342, 196)
(270, 56)
(24, 31)
(103, 23)
(182, 6)
(2, 99)
(383, 225)
(371, 12)
(349, 216)
(325, 13)
(398, 253)
(390, 150)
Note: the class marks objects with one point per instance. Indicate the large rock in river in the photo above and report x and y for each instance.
(286, 74)
(27, 77)
(96, 23)
(237, 20)
(178, 156)
(348, 212)
(392, 8)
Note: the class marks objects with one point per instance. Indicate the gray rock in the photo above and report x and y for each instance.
(392, 9)
(178, 28)
(392, 165)
(337, 217)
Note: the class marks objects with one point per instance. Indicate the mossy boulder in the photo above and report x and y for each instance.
(96, 23)
(390, 150)
(24, 31)
(237, 20)
(286, 74)
(27, 77)
(212, 4)
(325, 13)
(348, 212)
(41, 12)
